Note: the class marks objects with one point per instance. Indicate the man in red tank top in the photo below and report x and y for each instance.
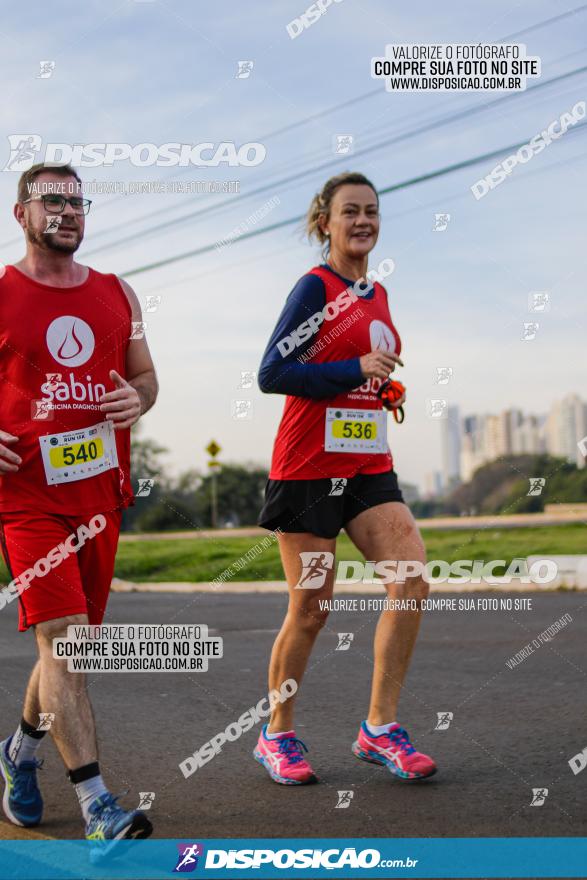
(75, 378)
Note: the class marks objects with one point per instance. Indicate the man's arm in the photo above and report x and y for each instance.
(136, 394)
(140, 370)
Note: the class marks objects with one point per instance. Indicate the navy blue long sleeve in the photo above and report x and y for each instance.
(280, 374)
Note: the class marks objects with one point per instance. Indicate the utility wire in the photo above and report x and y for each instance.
(412, 181)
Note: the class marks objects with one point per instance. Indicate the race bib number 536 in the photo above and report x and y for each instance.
(77, 455)
(355, 430)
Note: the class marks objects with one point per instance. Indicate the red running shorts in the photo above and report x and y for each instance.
(59, 565)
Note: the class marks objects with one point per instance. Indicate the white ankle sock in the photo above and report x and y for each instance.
(377, 730)
(275, 735)
(88, 791)
(23, 747)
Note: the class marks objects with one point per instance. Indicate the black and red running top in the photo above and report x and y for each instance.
(327, 324)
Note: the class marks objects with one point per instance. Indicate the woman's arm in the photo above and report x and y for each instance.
(281, 371)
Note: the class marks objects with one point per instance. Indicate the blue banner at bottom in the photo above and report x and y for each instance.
(295, 857)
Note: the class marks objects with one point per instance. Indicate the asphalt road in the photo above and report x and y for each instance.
(513, 729)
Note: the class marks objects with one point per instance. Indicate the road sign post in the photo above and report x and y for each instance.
(213, 449)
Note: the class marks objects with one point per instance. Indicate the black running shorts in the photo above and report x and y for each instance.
(324, 507)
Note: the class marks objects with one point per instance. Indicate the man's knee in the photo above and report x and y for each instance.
(48, 630)
(310, 617)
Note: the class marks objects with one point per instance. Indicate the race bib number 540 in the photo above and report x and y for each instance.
(78, 455)
(355, 430)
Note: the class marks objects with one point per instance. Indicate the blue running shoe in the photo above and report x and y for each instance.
(22, 801)
(108, 821)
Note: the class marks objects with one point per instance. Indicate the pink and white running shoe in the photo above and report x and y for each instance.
(395, 751)
(283, 758)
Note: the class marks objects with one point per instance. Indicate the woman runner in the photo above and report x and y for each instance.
(333, 347)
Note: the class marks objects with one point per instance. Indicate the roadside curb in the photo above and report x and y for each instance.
(120, 586)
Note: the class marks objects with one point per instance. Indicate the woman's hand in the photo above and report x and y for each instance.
(379, 364)
(397, 403)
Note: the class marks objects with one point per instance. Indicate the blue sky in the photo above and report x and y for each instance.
(160, 72)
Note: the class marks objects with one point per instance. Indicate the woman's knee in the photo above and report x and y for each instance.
(411, 581)
(419, 589)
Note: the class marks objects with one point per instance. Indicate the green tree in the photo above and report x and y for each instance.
(145, 463)
(240, 491)
(502, 486)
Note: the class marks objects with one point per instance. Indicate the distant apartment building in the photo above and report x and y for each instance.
(410, 492)
(450, 438)
(566, 425)
(433, 485)
(474, 440)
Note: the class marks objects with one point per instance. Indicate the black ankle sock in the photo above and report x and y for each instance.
(31, 731)
(88, 771)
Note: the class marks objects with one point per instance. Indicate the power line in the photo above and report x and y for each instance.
(340, 106)
(268, 254)
(469, 111)
(412, 181)
(226, 204)
(304, 121)
(540, 24)
(367, 95)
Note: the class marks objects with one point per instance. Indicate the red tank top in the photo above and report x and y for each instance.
(300, 450)
(57, 346)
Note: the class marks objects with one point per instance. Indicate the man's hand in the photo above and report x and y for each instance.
(9, 460)
(123, 405)
(379, 364)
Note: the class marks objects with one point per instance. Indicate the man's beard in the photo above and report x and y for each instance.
(48, 241)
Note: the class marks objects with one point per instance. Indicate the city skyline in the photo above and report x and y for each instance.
(472, 440)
